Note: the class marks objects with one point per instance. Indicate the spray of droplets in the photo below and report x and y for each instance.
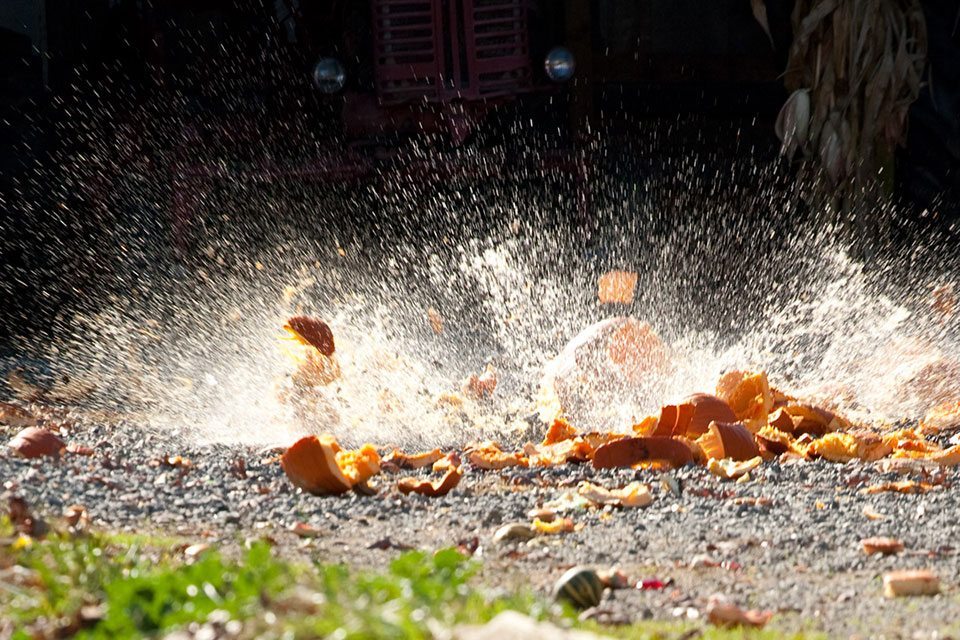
(177, 320)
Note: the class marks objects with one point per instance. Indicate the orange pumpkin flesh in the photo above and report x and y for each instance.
(706, 409)
(748, 394)
(432, 489)
(318, 465)
(489, 456)
(637, 350)
(813, 420)
(726, 440)
(360, 464)
(559, 430)
(627, 452)
(415, 460)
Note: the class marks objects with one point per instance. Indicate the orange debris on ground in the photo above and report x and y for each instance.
(318, 465)
(559, 430)
(488, 455)
(942, 417)
(434, 489)
(748, 394)
(900, 486)
(884, 546)
(731, 433)
(415, 460)
(628, 452)
(728, 440)
(36, 442)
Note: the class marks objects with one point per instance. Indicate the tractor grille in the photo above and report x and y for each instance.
(501, 55)
(439, 50)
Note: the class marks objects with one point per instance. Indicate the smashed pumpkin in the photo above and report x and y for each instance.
(637, 350)
(559, 430)
(415, 460)
(318, 465)
(312, 332)
(728, 440)
(843, 447)
(36, 442)
(748, 394)
(942, 417)
(488, 455)
(816, 421)
(706, 408)
(628, 452)
(432, 489)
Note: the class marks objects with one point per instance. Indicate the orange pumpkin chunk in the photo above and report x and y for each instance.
(318, 465)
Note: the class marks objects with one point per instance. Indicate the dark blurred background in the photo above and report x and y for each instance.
(145, 130)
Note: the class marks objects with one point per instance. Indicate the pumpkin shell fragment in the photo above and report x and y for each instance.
(313, 332)
(36, 442)
(627, 452)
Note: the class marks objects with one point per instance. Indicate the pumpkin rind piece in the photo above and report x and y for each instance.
(627, 452)
(313, 332)
(36, 442)
(432, 489)
(311, 464)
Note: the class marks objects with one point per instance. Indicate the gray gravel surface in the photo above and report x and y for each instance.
(798, 555)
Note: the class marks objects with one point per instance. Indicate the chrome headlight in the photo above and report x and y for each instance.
(329, 75)
(559, 64)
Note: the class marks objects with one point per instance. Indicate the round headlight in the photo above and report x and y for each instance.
(329, 75)
(559, 64)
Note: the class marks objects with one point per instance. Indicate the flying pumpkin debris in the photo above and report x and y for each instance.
(747, 422)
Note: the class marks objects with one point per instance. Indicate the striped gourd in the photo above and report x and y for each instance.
(579, 586)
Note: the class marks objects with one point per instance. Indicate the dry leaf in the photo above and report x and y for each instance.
(723, 613)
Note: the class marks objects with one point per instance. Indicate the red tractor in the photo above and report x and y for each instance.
(389, 70)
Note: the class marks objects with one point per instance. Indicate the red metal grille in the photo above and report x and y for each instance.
(447, 49)
(406, 49)
(500, 46)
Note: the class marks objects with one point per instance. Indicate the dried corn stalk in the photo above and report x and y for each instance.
(855, 66)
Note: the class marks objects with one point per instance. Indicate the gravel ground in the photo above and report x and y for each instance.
(797, 554)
